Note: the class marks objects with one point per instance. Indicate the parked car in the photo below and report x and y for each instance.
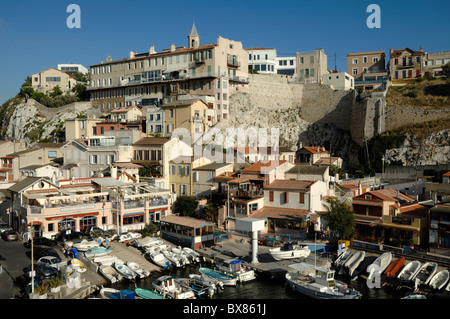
(63, 236)
(24, 281)
(93, 230)
(44, 251)
(43, 270)
(4, 227)
(10, 235)
(44, 241)
(52, 261)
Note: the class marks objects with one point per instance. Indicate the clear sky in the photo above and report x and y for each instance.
(34, 35)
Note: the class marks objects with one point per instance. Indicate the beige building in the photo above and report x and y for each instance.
(368, 69)
(79, 128)
(215, 70)
(435, 61)
(180, 174)
(45, 81)
(310, 67)
(188, 114)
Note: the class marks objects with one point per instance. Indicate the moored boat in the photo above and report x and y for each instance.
(425, 273)
(440, 279)
(235, 267)
(148, 294)
(78, 265)
(182, 255)
(84, 245)
(226, 279)
(160, 260)
(138, 269)
(196, 257)
(352, 263)
(106, 293)
(394, 267)
(290, 251)
(409, 271)
(342, 258)
(200, 288)
(363, 265)
(110, 273)
(124, 270)
(380, 264)
(97, 251)
(318, 283)
(168, 287)
(173, 258)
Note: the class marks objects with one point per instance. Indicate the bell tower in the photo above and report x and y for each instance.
(193, 38)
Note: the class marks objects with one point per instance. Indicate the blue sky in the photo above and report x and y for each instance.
(34, 35)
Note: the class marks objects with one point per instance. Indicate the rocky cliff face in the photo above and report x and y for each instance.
(31, 122)
(434, 149)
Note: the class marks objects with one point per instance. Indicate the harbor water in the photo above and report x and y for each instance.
(274, 288)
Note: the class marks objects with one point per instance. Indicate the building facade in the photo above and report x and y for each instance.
(368, 69)
(46, 80)
(311, 66)
(406, 65)
(215, 70)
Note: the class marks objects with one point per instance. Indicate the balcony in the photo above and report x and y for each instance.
(233, 63)
(196, 118)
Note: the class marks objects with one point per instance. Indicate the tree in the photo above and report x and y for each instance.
(185, 206)
(340, 217)
(210, 213)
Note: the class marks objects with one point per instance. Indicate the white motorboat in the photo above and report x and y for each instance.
(138, 269)
(342, 258)
(174, 259)
(415, 296)
(106, 293)
(110, 273)
(85, 245)
(409, 271)
(440, 279)
(200, 288)
(106, 260)
(196, 257)
(352, 263)
(425, 273)
(160, 260)
(167, 286)
(97, 251)
(380, 264)
(290, 251)
(185, 258)
(235, 267)
(129, 237)
(319, 283)
(124, 270)
(146, 242)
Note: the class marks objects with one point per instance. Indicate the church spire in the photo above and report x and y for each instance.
(193, 37)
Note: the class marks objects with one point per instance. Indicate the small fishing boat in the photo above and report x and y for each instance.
(138, 269)
(168, 287)
(173, 258)
(97, 251)
(160, 260)
(124, 270)
(409, 271)
(318, 283)
(106, 293)
(425, 273)
(148, 294)
(235, 267)
(395, 266)
(105, 260)
(227, 280)
(380, 264)
(414, 296)
(352, 263)
(78, 265)
(290, 251)
(196, 257)
(146, 242)
(111, 274)
(440, 279)
(199, 288)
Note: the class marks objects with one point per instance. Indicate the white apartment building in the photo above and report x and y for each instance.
(341, 81)
(266, 61)
(73, 68)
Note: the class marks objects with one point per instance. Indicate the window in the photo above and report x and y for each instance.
(375, 60)
(311, 59)
(183, 189)
(271, 196)
(180, 170)
(355, 61)
(187, 170)
(196, 176)
(53, 79)
(52, 154)
(253, 207)
(365, 59)
(301, 60)
(355, 71)
(172, 170)
(301, 198)
(94, 159)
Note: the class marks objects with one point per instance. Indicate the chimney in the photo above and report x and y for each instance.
(152, 49)
(114, 171)
(131, 55)
(172, 47)
(108, 59)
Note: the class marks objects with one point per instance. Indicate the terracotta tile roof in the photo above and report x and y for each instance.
(414, 209)
(315, 149)
(387, 194)
(398, 52)
(124, 109)
(281, 213)
(288, 184)
(263, 167)
(185, 221)
(246, 150)
(447, 174)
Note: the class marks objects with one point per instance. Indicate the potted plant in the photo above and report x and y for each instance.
(42, 290)
(55, 284)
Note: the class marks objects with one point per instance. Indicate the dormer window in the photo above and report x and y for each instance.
(367, 196)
